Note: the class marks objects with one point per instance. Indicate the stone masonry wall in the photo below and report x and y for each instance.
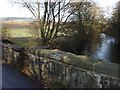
(62, 69)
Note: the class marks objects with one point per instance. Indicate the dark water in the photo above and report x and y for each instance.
(106, 49)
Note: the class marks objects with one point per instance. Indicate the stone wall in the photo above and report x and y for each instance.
(62, 69)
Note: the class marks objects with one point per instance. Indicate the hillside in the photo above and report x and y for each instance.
(16, 22)
(16, 19)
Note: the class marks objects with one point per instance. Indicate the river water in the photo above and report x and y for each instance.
(106, 49)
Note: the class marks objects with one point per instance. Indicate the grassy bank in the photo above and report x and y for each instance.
(25, 41)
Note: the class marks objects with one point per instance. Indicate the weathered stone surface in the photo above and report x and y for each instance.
(54, 54)
(108, 68)
(62, 69)
(83, 62)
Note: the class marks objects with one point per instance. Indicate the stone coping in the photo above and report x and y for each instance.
(81, 61)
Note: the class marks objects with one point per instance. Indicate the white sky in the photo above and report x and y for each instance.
(7, 10)
(107, 5)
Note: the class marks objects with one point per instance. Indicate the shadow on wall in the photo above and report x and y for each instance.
(7, 41)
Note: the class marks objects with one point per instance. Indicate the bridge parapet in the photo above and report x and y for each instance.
(62, 69)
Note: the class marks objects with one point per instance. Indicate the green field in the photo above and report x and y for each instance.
(17, 28)
(22, 37)
(19, 32)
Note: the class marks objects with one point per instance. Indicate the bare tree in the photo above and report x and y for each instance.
(84, 27)
(54, 17)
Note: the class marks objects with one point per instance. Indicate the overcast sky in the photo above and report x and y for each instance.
(7, 10)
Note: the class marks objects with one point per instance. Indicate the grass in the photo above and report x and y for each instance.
(22, 37)
(19, 32)
(28, 44)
